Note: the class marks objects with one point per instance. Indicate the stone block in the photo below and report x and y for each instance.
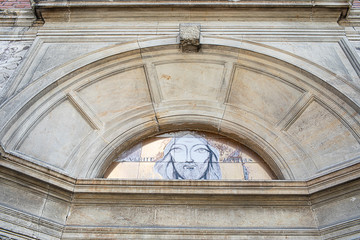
(190, 37)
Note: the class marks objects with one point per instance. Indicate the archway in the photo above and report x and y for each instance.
(77, 118)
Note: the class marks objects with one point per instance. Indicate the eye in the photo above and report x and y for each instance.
(176, 149)
(201, 150)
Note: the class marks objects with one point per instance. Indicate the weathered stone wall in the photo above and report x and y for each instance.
(80, 83)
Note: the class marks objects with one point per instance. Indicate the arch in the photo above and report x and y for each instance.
(266, 99)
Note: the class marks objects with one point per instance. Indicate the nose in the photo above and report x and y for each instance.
(188, 157)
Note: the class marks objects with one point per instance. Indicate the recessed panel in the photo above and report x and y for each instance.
(261, 94)
(117, 94)
(56, 135)
(189, 156)
(190, 81)
(324, 137)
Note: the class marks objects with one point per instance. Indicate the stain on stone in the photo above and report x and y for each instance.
(166, 77)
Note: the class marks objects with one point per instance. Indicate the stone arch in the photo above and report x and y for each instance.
(279, 105)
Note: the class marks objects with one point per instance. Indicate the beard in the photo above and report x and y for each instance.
(191, 171)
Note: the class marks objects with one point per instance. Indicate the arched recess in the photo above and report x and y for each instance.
(299, 117)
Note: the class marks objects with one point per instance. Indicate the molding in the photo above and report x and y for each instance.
(87, 113)
(28, 218)
(295, 111)
(23, 34)
(29, 223)
(192, 233)
(290, 10)
(16, 18)
(153, 83)
(42, 173)
(353, 18)
(112, 186)
(351, 54)
(137, 193)
(341, 227)
(264, 33)
(189, 3)
(10, 234)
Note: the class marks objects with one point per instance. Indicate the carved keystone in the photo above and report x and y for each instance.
(189, 37)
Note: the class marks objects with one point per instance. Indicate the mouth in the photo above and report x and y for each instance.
(189, 167)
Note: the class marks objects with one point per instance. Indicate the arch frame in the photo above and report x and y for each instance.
(154, 119)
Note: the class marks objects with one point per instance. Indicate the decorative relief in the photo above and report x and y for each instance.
(189, 155)
(11, 55)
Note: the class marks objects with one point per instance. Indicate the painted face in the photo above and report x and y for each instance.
(191, 156)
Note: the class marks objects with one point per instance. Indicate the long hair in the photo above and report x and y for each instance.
(165, 166)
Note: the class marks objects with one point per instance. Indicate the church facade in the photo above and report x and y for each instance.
(180, 119)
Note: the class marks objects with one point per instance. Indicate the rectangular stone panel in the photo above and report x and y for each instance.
(208, 216)
(55, 210)
(263, 95)
(340, 210)
(55, 135)
(190, 81)
(324, 137)
(117, 94)
(21, 199)
(57, 54)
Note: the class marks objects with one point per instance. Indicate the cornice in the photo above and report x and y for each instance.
(190, 3)
(135, 194)
(16, 18)
(13, 167)
(188, 10)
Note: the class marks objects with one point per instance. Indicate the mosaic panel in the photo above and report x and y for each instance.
(189, 156)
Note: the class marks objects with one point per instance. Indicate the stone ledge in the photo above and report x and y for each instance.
(17, 167)
(189, 3)
(16, 17)
(81, 11)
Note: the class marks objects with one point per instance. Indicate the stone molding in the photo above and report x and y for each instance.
(309, 66)
(187, 3)
(89, 193)
(237, 10)
(13, 166)
(16, 18)
(351, 54)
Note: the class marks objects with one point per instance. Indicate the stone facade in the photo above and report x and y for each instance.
(83, 81)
